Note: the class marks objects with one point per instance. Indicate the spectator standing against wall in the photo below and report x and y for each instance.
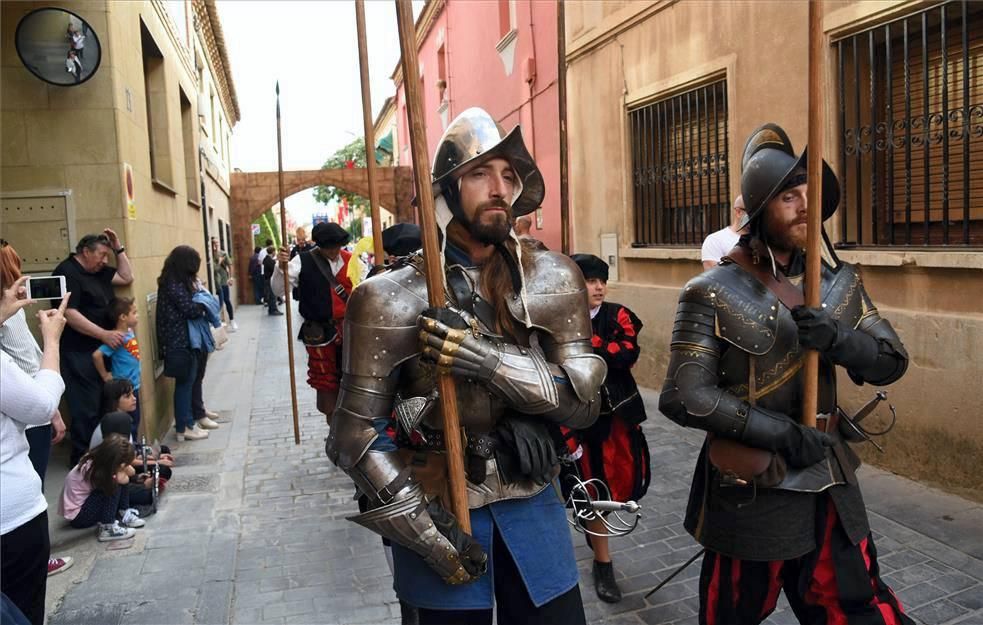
(719, 243)
(26, 400)
(223, 276)
(176, 287)
(90, 278)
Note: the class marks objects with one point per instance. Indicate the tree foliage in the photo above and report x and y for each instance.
(267, 229)
(351, 155)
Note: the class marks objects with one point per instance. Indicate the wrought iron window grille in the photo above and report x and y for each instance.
(911, 130)
(680, 167)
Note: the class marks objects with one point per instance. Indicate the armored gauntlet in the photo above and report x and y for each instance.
(520, 376)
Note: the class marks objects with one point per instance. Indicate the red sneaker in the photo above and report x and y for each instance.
(57, 565)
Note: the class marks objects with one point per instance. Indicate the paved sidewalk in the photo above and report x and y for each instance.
(252, 529)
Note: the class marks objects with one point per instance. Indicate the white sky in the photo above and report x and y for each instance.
(311, 48)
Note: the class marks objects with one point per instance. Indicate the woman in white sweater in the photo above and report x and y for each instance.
(26, 400)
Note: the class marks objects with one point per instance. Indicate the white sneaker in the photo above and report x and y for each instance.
(211, 414)
(131, 518)
(206, 423)
(192, 434)
(233, 326)
(113, 531)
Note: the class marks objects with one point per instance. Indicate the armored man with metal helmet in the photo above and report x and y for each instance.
(776, 503)
(515, 336)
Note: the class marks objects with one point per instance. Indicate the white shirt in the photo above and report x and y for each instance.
(262, 254)
(23, 401)
(718, 244)
(293, 270)
(16, 339)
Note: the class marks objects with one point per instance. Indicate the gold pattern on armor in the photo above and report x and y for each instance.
(838, 311)
(781, 364)
(692, 349)
(755, 322)
(868, 314)
(779, 382)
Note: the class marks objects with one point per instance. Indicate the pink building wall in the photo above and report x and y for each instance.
(465, 33)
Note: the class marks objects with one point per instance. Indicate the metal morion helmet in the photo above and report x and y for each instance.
(474, 134)
(769, 165)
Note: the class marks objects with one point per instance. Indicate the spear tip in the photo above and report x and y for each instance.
(278, 87)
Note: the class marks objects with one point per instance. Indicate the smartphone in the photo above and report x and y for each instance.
(46, 287)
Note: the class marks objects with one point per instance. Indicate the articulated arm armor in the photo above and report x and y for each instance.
(398, 506)
(522, 377)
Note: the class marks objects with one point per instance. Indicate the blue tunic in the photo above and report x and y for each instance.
(536, 533)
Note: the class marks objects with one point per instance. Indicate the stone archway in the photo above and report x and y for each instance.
(254, 192)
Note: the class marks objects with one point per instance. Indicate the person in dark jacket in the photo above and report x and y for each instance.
(175, 289)
(612, 450)
(269, 266)
(256, 275)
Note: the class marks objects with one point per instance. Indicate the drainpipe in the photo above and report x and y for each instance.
(204, 219)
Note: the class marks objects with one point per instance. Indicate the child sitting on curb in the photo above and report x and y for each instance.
(93, 494)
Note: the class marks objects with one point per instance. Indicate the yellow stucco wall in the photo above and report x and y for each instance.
(78, 139)
(623, 53)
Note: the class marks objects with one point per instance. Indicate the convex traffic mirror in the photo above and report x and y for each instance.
(58, 46)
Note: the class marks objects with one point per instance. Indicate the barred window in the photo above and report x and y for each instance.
(911, 123)
(680, 173)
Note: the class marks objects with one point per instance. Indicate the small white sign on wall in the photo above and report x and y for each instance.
(609, 254)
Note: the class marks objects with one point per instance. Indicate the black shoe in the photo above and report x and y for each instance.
(604, 584)
(275, 313)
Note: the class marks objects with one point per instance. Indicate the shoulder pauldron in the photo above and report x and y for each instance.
(746, 311)
(556, 297)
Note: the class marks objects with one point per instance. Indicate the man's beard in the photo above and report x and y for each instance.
(784, 235)
(490, 233)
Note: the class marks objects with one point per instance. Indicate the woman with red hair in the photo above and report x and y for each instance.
(17, 341)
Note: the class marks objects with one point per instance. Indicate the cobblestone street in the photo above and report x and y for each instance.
(252, 527)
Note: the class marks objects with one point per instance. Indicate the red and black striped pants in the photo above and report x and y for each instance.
(837, 584)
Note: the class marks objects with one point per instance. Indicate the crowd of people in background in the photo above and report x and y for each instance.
(90, 354)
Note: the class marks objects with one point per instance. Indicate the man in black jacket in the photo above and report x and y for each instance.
(269, 266)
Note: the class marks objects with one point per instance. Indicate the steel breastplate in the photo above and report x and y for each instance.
(762, 359)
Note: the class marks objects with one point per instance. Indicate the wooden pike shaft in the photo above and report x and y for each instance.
(431, 253)
(810, 368)
(363, 67)
(286, 280)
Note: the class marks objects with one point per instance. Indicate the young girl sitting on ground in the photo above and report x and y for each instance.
(93, 493)
(118, 403)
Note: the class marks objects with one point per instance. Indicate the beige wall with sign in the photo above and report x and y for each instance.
(68, 149)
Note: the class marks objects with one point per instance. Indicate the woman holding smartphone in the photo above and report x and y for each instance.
(26, 400)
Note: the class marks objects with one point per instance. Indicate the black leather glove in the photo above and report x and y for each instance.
(817, 330)
(801, 446)
(843, 345)
(473, 557)
(525, 450)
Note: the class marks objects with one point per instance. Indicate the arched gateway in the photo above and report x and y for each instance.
(254, 192)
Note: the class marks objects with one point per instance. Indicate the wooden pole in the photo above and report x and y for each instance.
(810, 368)
(561, 82)
(431, 252)
(286, 275)
(363, 67)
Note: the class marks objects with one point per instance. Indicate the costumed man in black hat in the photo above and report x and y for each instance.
(320, 277)
(504, 297)
(777, 504)
(613, 450)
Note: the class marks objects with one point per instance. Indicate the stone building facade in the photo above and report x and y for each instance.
(134, 148)
(662, 95)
